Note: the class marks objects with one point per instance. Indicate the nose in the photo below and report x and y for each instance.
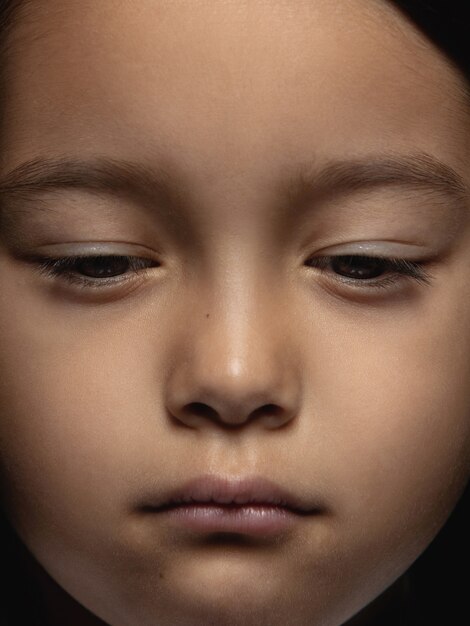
(235, 365)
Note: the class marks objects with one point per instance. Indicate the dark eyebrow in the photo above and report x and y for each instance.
(419, 171)
(103, 175)
(148, 183)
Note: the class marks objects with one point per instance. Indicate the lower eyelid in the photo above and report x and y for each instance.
(396, 270)
(67, 269)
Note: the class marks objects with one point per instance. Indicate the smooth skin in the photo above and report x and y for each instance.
(228, 352)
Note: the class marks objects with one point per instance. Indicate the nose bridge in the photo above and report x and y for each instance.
(237, 348)
(238, 335)
(238, 290)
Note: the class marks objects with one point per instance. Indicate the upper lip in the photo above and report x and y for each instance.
(232, 490)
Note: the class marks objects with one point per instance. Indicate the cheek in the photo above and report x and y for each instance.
(71, 430)
(396, 406)
(388, 435)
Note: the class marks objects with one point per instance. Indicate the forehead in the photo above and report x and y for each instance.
(228, 86)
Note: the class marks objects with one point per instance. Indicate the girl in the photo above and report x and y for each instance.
(234, 312)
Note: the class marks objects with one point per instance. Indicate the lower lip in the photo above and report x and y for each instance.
(257, 520)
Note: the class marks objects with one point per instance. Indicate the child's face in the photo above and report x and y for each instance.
(229, 352)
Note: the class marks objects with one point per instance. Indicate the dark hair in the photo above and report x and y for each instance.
(445, 22)
(434, 592)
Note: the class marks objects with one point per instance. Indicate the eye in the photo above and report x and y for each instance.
(371, 272)
(95, 272)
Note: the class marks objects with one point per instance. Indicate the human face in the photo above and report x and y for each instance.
(230, 352)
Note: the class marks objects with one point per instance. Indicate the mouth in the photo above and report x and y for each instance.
(232, 492)
(252, 505)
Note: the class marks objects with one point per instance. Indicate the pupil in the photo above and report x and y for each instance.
(100, 266)
(358, 267)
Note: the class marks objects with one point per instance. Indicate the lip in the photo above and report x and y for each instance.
(250, 505)
(224, 490)
(248, 519)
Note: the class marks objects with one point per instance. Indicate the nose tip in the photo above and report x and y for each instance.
(261, 390)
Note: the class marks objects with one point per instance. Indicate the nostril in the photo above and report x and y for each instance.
(201, 410)
(271, 415)
(272, 410)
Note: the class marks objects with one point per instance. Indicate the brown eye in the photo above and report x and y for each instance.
(361, 271)
(358, 266)
(93, 271)
(102, 266)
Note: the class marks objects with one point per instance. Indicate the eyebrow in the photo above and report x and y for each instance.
(102, 175)
(419, 171)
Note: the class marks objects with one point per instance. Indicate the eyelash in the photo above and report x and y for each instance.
(403, 269)
(64, 267)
